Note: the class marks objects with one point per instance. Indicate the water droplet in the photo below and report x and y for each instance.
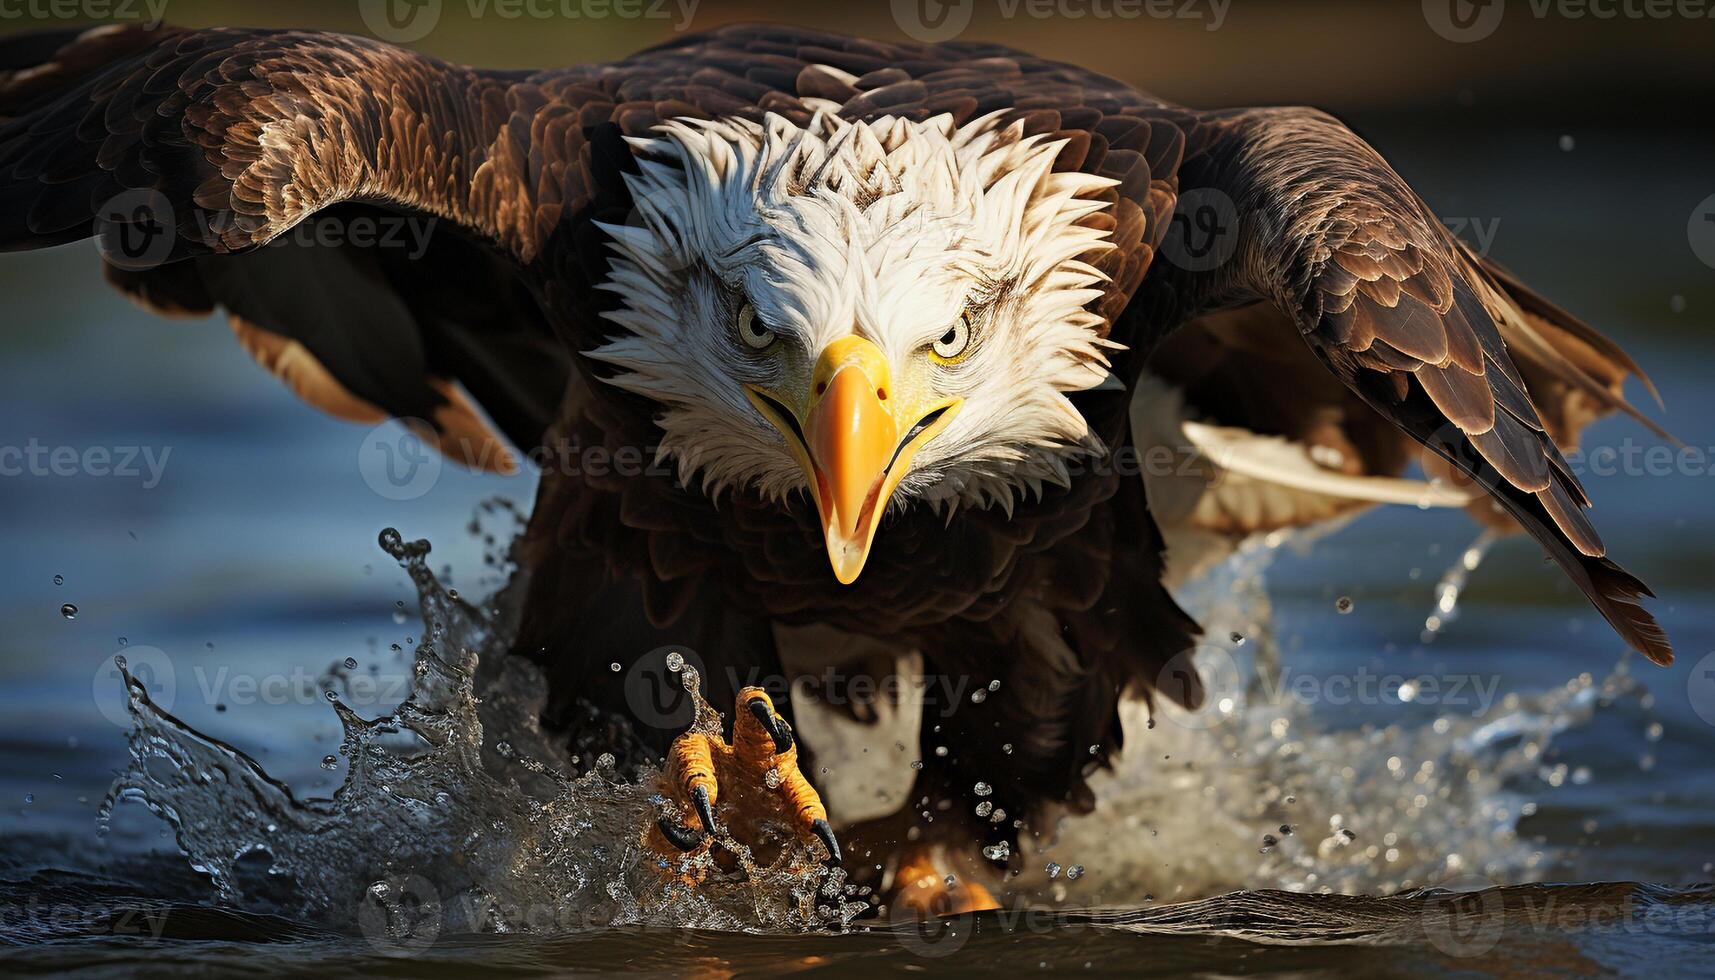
(1237, 638)
(1053, 870)
(330, 762)
(59, 580)
(941, 751)
(1007, 748)
(998, 852)
(1075, 872)
(1343, 605)
(675, 661)
(29, 798)
(979, 695)
(119, 661)
(351, 663)
(985, 808)
(773, 778)
(614, 666)
(1567, 143)
(984, 789)
(994, 685)
(124, 642)
(69, 611)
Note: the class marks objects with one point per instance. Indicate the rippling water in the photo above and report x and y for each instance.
(1289, 829)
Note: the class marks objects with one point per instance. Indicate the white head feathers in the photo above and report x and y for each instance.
(891, 229)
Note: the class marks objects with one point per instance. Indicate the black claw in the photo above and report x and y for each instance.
(826, 833)
(775, 726)
(679, 835)
(705, 809)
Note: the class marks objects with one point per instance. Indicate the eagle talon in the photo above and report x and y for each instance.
(825, 834)
(679, 835)
(705, 809)
(754, 780)
(773, 724)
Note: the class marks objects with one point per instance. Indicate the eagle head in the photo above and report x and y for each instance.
(874, 313)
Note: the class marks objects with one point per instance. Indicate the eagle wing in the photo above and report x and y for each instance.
(1319, 227)
(272, 174)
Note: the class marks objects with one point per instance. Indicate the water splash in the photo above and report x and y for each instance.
(1452, 584)
(457, 808)
(456, 812)
(1257, 791)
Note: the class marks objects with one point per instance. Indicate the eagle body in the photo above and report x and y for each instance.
(880, 328)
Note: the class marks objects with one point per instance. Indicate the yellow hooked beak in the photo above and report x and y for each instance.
(855, 439)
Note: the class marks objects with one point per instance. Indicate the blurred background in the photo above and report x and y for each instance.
(1568, 146)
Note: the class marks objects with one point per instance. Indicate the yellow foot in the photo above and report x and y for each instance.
(920, 890)
(750, 788)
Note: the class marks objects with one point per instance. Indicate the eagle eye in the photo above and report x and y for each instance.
(952, 345)
(752, 330)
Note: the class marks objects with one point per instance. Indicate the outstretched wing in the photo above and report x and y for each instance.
(361, 212)
(1323, 229)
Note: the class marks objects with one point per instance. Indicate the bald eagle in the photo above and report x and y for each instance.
(886, 321)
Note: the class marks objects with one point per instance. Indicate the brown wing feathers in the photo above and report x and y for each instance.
(1393, 305)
